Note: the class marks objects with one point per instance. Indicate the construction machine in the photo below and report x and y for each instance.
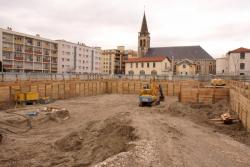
(218, 82)
(151, 94)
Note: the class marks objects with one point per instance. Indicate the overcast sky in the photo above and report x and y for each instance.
(217, 25)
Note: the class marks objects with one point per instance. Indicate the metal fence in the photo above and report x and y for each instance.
(5, 77)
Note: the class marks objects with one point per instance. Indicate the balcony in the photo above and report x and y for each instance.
(18, 66)
(7, 66)
(46, 61)
(20, 58)
(20, 42)
(28, 51)
(7, 39)
(46, 45)
(54, 54)
(7, 57)
(7, 49)
(28, 66)
(38, 52)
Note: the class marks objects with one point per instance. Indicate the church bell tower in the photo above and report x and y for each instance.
(143, 38)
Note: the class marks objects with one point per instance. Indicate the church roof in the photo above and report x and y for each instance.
(144, 26)
(180, 52)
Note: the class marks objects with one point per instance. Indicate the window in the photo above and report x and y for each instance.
(148, 65)
(242, 66)
(142, 72)
(131, 72)
(131, 65)
(166, 65)
(242, 55)
(242, 74)
(142, 65)
(153, 64)
(184, 65)
(153, 72)
(136, 65)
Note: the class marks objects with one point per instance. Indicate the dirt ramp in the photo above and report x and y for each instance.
(98, 141)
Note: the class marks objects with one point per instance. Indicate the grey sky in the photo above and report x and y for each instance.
(217, 25)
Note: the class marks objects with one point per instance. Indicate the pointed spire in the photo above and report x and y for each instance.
(144, 26)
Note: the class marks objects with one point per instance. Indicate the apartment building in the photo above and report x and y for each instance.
(78, 58)
(113, 60)
(27, 53)
(236, 62)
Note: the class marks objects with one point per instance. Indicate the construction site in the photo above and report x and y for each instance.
(124, 123)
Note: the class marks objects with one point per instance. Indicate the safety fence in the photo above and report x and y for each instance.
(241, 105)
(204, 95)
(10, 77)
(75, 88)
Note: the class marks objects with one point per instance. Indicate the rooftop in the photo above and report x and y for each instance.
(239, 50)
(147, 59)
(180, 52)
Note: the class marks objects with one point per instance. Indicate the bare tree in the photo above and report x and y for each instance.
(236, 63)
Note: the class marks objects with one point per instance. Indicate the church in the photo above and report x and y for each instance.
(184, 60)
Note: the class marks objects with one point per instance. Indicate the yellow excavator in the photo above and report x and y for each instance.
(150, 95)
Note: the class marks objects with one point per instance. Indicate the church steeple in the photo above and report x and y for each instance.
(143, 38)
(144, 26)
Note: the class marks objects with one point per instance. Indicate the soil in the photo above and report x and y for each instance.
(112, 130)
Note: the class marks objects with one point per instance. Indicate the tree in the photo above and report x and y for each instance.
(236, 62)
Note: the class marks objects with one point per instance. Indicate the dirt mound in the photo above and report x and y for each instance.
(202, 113)
(98, 140)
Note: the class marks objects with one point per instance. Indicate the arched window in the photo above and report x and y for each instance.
(153, 72)
(141, 43)
(142, 72)
(131, 72)
(144, 43)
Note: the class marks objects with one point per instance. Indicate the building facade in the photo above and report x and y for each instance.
(78, 58)
(27, 53)
(204, 63)
(222, 65)
(236, 62)
(113, 60)
(148, 66)
(185, 67)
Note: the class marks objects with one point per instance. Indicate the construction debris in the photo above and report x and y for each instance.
(56, 114)
(226, 118)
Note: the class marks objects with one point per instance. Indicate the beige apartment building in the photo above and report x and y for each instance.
(113, 60)
(78, 58)
(21, 52)
(158, 65)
